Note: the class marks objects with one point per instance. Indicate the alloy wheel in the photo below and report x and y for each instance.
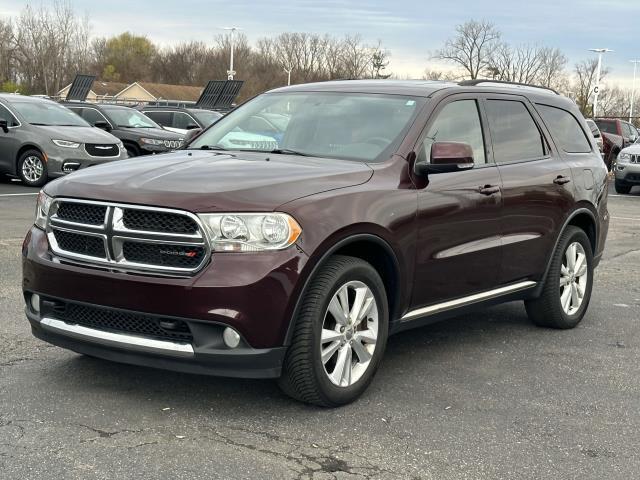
(574, 276)
(349, 333)
(32, 168)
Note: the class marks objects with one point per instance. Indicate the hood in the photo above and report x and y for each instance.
(632, 149)
(205, 181)
(77, 134)
(157, 133)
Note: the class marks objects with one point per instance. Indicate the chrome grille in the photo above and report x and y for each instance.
(127, 237)
(158, 222)
(173, 143)
(82, 213)
(102, 150)
(634, 158)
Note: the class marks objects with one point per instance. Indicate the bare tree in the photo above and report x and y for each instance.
(552, 72)
(585, 79)
(472, 47)
(356, 57)
(521, 64)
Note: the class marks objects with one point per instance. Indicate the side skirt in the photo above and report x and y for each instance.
(452, 308)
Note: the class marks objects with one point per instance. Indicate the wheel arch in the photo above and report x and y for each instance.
(370, 248)
(583, 217)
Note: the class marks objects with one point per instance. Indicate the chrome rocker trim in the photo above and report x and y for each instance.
(471, 299)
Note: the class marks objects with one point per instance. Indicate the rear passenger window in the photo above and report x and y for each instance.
(514, 134)
(458, 121)
(162, 118)
(565, 129)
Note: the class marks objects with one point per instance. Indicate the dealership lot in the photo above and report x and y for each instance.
(485, 395)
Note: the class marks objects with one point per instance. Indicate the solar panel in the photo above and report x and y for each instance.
(210, 94)
(80, 87)
(229, 94)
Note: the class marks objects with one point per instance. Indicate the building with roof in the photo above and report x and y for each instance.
(138, 92)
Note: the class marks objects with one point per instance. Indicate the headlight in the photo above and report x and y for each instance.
(624, 156)
(151, 141)
(250, 232)
(66, 143)
(42, 210)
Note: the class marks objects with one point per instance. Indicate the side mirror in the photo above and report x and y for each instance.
(192, 126)
(447, 157)
(4, 126)
(191, 135)
(103, 125)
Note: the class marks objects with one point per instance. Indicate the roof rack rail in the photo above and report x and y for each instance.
(478, 81)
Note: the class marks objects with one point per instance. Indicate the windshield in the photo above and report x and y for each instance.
(48, 113)
(351, 126)
(206, 117)
(129, 118)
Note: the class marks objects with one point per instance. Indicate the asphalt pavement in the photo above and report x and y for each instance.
(482, 396)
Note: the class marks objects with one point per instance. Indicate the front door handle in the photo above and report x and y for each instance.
(561, 180)
(489, 190)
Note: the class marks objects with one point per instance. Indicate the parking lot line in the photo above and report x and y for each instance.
(17, 194)
(623, 196)
(626, 218)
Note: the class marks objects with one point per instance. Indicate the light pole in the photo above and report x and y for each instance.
(288, 70)
(596, 89)
(633, 89)
(231, 72)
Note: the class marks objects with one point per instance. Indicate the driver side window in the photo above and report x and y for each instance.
(458, 121)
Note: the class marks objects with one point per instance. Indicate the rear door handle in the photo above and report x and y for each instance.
(489, 190)
(561, 180)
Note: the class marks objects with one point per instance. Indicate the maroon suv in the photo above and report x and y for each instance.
(293, 236)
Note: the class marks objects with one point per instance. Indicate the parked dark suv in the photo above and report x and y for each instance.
(139, 134)
(381, 206)
(179, 119)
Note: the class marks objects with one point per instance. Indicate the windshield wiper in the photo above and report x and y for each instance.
(41, 124)
(288, 151)
(208, 147)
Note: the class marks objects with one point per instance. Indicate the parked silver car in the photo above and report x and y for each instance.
(40, 140)
(628, 168)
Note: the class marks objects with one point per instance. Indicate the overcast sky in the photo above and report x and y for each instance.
(410, 29)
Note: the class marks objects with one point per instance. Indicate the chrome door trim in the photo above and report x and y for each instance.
(471, 299)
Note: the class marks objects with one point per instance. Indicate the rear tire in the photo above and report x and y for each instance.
(32, 168)
(333, 356)
(567, 289)
(622, 188)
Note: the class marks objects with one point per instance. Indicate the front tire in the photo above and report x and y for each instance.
(339, 336)
(567, 289)
(32, 168)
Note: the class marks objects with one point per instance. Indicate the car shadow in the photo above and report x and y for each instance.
(83, 374)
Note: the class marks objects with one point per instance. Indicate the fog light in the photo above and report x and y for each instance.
(35, 302)
(231, 337)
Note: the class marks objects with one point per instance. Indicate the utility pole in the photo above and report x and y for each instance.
(231, 72)
(289, 70)
(596, 89)
(633, 89)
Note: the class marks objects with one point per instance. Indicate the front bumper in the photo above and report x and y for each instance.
(252, 293)
(61, 161)
(199, 359)
(628, 173)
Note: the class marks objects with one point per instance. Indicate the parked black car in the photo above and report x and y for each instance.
(181, 120)
(139, 134)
